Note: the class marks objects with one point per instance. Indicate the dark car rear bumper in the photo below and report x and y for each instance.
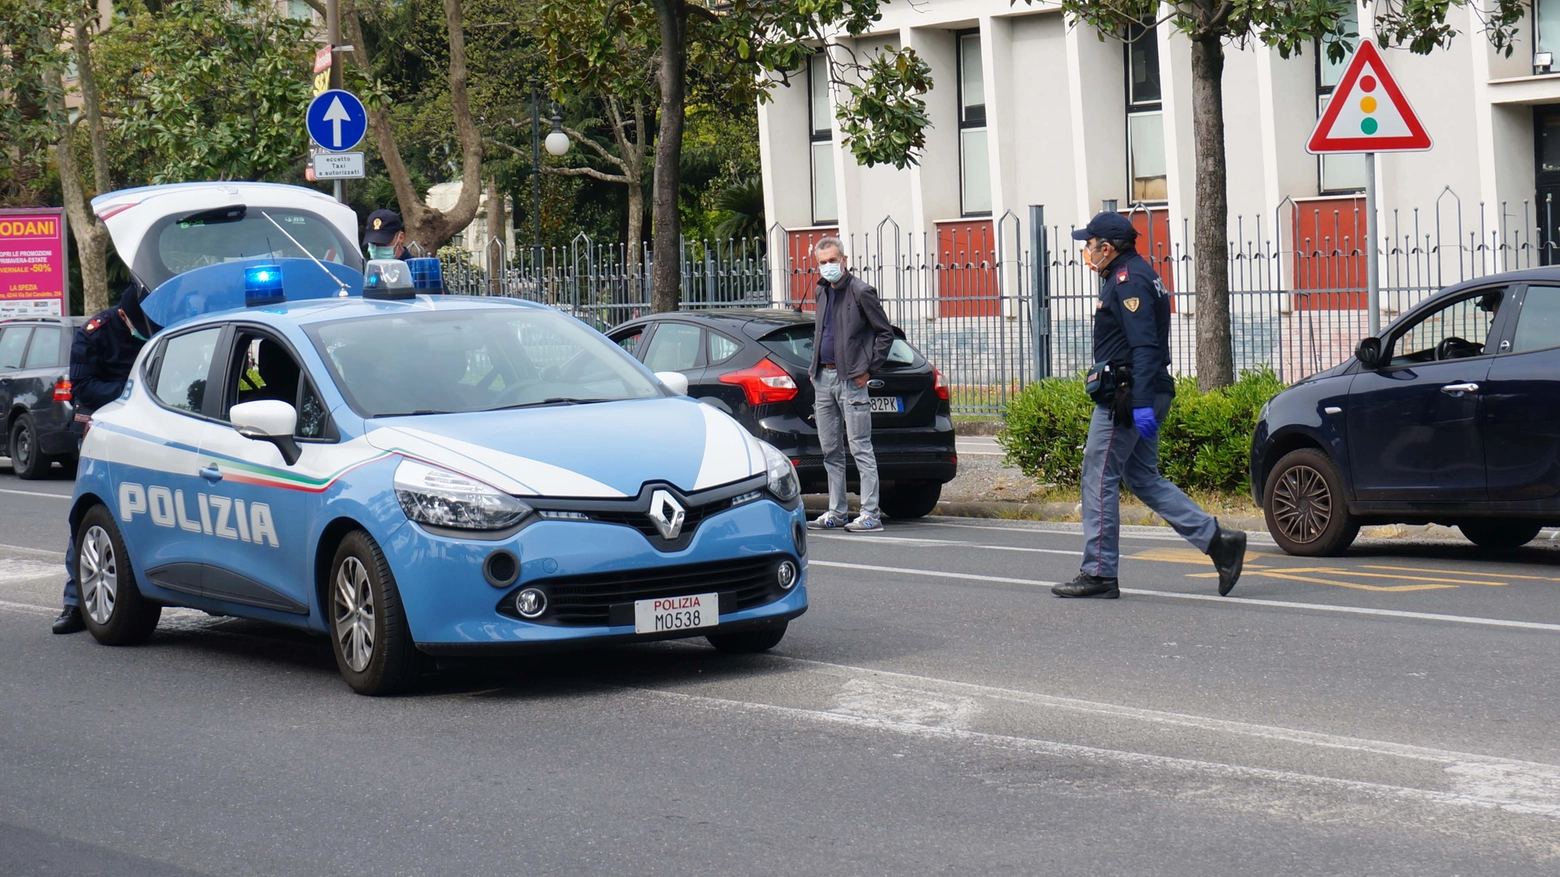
(52, 425)
(907, 454)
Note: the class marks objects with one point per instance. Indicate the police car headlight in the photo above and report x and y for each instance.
(782, 475)
(441, 498)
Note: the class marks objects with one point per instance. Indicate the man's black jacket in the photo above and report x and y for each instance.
(103, 351)
(862, 333)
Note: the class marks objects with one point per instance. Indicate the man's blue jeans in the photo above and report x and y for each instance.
(1115, 452)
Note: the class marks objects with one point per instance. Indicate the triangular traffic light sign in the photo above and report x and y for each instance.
(1367, 111)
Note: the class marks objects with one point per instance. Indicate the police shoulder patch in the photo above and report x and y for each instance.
(92, 325)
(1121, 276)
(1130, 304)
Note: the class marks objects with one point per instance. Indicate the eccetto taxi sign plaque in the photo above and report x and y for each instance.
(338, 165)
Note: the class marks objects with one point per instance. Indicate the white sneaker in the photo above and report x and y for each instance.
(865, 524)
(829, 520)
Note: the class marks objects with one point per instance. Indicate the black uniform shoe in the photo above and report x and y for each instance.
(69, 621)
(1085, 585)
(1228, 550)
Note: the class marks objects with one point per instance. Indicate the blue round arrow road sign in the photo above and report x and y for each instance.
(336, 120)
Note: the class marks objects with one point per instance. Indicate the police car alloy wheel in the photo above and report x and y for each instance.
(111, 604)
(368, 629)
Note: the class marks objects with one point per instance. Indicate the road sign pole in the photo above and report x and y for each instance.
(333, 36)
(1372, 254)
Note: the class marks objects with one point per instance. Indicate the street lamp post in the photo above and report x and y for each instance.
(557, 144)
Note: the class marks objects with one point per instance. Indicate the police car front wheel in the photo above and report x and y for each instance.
(111, 605)
(373, 646)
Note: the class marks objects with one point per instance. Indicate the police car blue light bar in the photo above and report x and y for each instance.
(427, 274)
(263, 285)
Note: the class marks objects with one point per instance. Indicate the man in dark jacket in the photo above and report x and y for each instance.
(1132, 337)
(385, 238)
(851, 341)
(104, 349)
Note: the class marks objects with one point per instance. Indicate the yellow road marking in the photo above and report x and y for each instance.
(1356, 586)
(1503, 575)
(1380, 575)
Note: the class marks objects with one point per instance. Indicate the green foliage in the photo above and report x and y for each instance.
(610, 46)
(1047, 425)
(205, 90)
(741, 207)
(1205, 443)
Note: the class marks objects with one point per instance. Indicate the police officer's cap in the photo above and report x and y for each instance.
(382, 227)
(1108, 226)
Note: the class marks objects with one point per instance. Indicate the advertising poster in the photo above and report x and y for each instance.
(32, 263)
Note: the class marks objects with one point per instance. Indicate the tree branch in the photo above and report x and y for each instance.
(587, 172)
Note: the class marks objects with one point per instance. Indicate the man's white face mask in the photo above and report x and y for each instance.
(831, 271)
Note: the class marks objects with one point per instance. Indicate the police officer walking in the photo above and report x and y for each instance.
(101, 355)
(1132, 388)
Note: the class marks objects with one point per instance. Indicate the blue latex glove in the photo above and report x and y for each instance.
(1147, 425)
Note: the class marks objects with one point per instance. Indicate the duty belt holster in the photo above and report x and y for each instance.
(1109, 384)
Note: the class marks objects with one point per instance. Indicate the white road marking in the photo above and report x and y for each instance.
(41, 552)
(913, 703)
(28, 608)
(911, 540)
(1158, 534)
(1243, 601)
(64, 496)
(1482, 796)
(13, 569)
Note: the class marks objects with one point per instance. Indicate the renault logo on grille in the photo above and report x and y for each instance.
(667, 513)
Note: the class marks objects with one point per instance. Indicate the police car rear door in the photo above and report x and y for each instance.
(156, 461)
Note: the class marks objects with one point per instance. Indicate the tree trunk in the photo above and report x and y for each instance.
(91, 103)
(90, 233)
(426, 225)
(1215, 363)
(666, 289)
(497, 219)
(636, 238)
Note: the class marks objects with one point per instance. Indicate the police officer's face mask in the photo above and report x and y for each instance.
(377, 252)
(1097, 254)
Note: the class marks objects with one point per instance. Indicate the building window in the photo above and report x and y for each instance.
(299, 10)
(1546, 27)
(974, 159)
(825, 205)
(1338, 173)
(1146, 180)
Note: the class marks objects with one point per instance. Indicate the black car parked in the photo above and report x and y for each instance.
(753, 365)
(1452, 416)
(35, 398)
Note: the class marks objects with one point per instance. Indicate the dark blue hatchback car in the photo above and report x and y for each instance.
(35, 394)
(1452, 416)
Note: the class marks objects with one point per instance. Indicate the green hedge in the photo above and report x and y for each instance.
(1205, 442)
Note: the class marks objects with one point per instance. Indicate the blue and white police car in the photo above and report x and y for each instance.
(412, 474)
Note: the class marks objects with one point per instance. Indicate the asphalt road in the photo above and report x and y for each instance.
(937, 711)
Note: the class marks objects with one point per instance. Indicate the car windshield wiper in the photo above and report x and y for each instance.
(412, 413)
(552, 400)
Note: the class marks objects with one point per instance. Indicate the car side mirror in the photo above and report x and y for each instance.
(1369, 353)
(677, 382)
(268, 420)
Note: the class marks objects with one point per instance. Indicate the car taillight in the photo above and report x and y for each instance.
(939, 385)
(765, 383)
(62, 390)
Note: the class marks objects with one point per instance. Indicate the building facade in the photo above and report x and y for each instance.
(1027, 110)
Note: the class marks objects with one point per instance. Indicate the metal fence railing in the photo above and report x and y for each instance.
(996, 304)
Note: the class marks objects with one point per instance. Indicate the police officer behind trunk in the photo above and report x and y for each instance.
(385, 238)
(1131, 386)
(101, 355)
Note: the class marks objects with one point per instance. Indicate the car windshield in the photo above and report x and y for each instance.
(179, 244)
(474, 360)
(795, 345)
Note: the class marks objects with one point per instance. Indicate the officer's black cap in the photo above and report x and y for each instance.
(382, 227)
(1107, 226)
